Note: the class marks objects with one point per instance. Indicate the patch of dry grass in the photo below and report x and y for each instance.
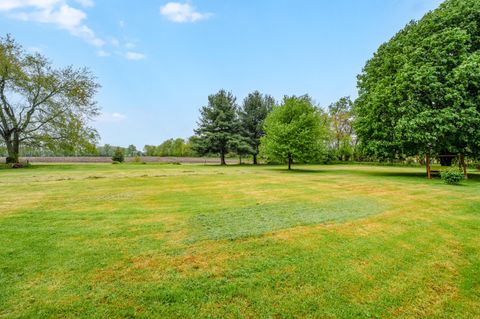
(127, 244)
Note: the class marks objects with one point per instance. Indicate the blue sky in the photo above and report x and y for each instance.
(157, 61)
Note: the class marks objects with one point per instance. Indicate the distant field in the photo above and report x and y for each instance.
(204, 241)
(100, 159)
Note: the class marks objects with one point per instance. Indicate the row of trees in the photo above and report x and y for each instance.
(418, 97)
(178, 147)
(294, 130)
(225, 127)
(108, 150)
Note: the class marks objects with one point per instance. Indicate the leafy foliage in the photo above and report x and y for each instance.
(295, 131)
(118, 156)
(452, 176)
(419, 93)
(218, 128)
(42, 106)
(252, 115)
(341, 121)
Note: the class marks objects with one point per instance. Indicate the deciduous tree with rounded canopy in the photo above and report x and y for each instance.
(419, 94)
(295, 131)
(341, 118)
(43, 106)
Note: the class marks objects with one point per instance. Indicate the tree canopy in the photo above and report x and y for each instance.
(419, 94)
(341, 122)
(218, 127)
(41, 105)
(295, 131)
(252, 115)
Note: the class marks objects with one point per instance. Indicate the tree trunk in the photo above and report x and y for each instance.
(240, 159)
(222, 159)
(289, 162)
(427, 164)
(13, 150)
(463, 165)
(255, 162)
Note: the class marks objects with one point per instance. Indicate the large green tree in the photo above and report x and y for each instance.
(295, 131)
(42, 105)
(419, 93)
(218, 127)
(252, 115)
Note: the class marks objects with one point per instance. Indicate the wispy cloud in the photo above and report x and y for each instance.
(131, 55)
(85, 3)
(68, 15)
(182, 12)
(55, 12)
(114, 117)
(103, 53)
(34, 49)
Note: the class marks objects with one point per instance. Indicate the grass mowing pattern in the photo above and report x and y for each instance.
(124, 241)
(237, 223)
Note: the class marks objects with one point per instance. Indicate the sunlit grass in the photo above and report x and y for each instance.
(156, 241)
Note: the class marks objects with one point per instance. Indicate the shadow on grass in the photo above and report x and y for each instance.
(393, 173)
(285, 170)
(471, 176)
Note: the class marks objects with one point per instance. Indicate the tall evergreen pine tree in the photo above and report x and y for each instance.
(218, 127)
(252, 115)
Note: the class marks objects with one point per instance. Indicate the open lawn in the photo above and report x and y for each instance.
(194, 241)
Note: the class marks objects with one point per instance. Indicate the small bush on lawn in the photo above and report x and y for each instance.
(118, 155)
(115, 162)
(452, 176)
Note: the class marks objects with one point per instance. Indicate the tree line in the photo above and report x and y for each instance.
(296, 129)
(418, 97)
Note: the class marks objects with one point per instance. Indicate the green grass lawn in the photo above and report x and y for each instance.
(188, 241)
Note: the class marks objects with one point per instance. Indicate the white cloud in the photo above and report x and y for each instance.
(182, 12)
(34, 49)
(6, 5)
(85, 3)
(70, 16)
(130, 45)
(55, 12)
(114, 117)
(103, 53)
(115, 42)
(130, 55)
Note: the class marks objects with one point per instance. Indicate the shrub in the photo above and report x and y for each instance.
(452, 176)
(137, 159)
(115, 162)
(118, 155)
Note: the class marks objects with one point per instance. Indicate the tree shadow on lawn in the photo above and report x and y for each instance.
(410, 175)
(417, 175)
(299, 170)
